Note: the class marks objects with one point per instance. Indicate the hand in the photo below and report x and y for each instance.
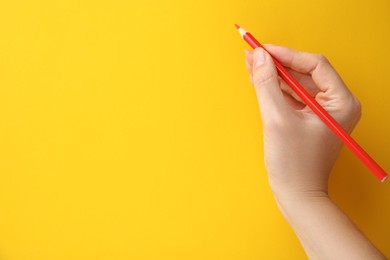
(299, 149)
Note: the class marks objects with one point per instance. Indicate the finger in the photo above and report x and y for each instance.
(265, 78)
(306, 81)
(249, 56)
(249, 62)
(288, 90)
(293, 102)
(302, 78)
(316, 65)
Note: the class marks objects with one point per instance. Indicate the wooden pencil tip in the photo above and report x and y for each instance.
(237, 26)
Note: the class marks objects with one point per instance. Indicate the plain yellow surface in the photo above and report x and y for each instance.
(129, 129)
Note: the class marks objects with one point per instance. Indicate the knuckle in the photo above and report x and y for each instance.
(356, 107)
(352, 113)
(322, 59)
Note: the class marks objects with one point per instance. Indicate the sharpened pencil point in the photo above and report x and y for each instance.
(237, 26)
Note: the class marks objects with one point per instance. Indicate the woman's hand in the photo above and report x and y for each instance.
(299, 149)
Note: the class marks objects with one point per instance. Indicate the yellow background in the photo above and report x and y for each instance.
(129, 129)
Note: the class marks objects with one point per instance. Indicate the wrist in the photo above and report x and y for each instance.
(292, 202)
(295, 193)
(297, 198)
(298, 187)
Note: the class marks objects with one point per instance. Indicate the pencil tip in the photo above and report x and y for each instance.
(237, 26)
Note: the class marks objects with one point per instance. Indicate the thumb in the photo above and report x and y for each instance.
(265, 79)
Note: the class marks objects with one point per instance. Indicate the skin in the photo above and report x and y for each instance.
(300, 151)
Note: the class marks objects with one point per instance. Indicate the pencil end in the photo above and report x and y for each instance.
(384, 179)
(237, 26)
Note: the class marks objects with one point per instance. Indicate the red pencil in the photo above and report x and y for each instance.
(320, 111)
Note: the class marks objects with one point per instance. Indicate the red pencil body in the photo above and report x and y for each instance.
(321, 113)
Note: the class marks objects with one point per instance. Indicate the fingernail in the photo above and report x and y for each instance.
(259, 58)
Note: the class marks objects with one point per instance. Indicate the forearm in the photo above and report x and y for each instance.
(323, 229)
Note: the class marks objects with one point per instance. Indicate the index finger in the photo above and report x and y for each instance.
(316, 65)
